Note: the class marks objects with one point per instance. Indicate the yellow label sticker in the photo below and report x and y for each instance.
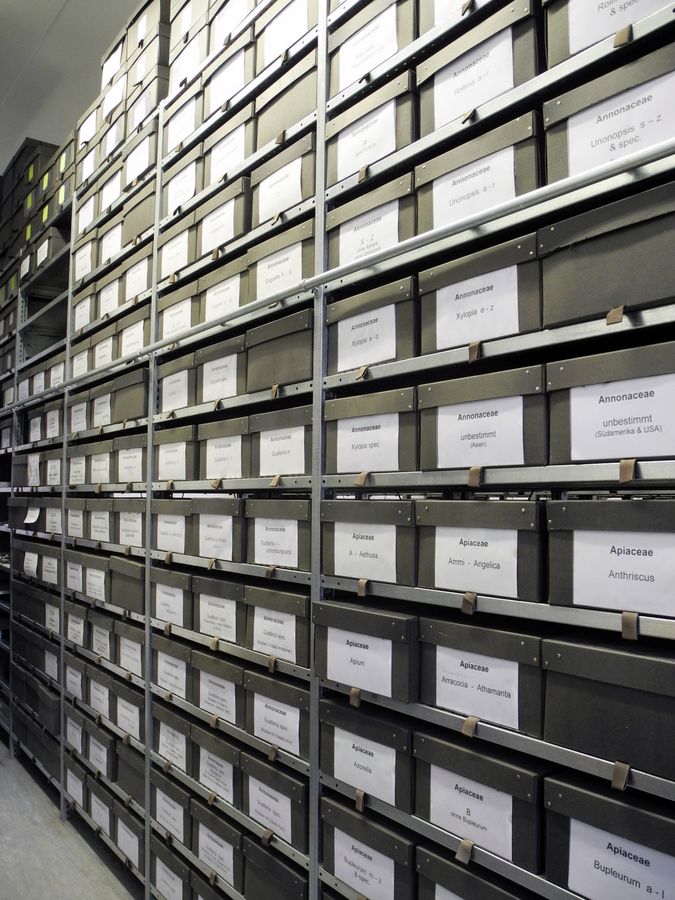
(31, 171)
(62, 163)
(45, 213)
(29, 230)
(62, 194)
(29, 201)
(12, 283)
(45, 181)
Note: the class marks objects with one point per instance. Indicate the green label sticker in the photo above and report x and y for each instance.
(29, 201)
(31, 170)
(29, 231)
(45, 213)
(45, 181)
(62, 163)
(62, 194)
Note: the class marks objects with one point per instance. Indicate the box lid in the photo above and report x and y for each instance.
(382, 623)
(520, 647)
(279, 509)
(404, 186)
(284, 418)
(184, 433)
(518, 515)
(171, 647)
(286, 238)
(296, 150)
(291, 883)
(468, 884)
(187, 361)
(511, 253)
(645, 516)
(217, 665)
(223, 428)
(173, 719)
(515, 382)
(160, 850)
(222, 348)
(636, 362)
(214, 743)
(292, 602)
(127, 567)
(368, 830)
(398, 401)
(388, 512)
(217, 587)
(172, 577)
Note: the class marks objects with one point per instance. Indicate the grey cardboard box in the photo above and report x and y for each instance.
(487, 294)
(134, 332)
(76, 781)
(171, 667)
(270, 702)
(130, 714)
(223, 289)
(138, 214)
(589, 262)
(76, 623)
(482, 671)
(172, 527)
(28, 513)
(178, 247)
(185, 16)
(223, 218)
(278, 533)
(358, 747)
(187, 58)
(281, 442)
(171, 737)
(120, 399)
(368, 649)
(279, 352)
(266, 790)
(147, 16)
(102, 634)
(127, 584)
(290, 99)
(98, 462)
(451, 776)
(486, 547)
(228, 72)
(358, 227)
(146, 97)
(49, 245)
(436, 870)
(218, 687)
(368, 39)
(184, 115)
(74, 728)
(277, 623)
(140, 156)
(229, 145)
(211, 836)
(42, 700)
(53, 417)
(605, 105)
(372, 432)
(110, 239)
(218, 608)
(130, 647)
(612, 826)
(130, 772)
(109, 186)
(78, 412)
(170, 807)
(448, 185)
(135, 274)
(150, 56)
(178, 311)
(177, 382)
(451, 72)
(75, 674)
(219, 530)
(104, 346)
(601, 699)
(217, 764)
(100, 805)
(505, 402)
(276, 33)
(282, 262)
(171, 596)
(611, 406)
(364, 133)
(130, 458)
(175, 452)
(129, 834)
(221, 370)
(183, 181)
(100, 749)
(269, 876)
(95, 573)
(276, 184)
(224, 449)
(167, 872)
(608, 555)
(371, 540)
(129, 521)
(361, 835)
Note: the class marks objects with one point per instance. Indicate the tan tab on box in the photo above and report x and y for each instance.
(97, 717)
(627, 470)
(168, 696)
(211, 799)
(361, 588)
(361, 479)
(168, 559)
(212, 877)
(274, 392)
(128, 800)
(361, 374)
(272, 753)
(469, 116)
(128, 676)
(278, 218)
(271, 664)
(470, 725)
(630, 626)
(363, 174)
(469, 603)
(215, 253)
(166, 766)
(167, 628)
(127, 551)
(620, 776)
(126, 739)
(355, 697)
(467, 7)
(215, 484)
(365, 79)
(275, 481)
(359, 799)
(474, 351)
(269, 571)
(464, 852)
(213, 643)
(130, 487)
(226, 105)
(615, 316)
(213, 721)
(266, 837)
(623, 36)
(475, 476)
(170, 485)
(280, 138)
(98, 488)
(211, 565)
(173, 277)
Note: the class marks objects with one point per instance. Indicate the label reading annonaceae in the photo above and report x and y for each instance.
(274, 633)
(95, 584)
(368, 443)
(372, 231)
(99, 698)
(604, 866)
(484, 72)
(130, 529)
(218, 617)
(51, 665)
(167, 882)
(367, 338)
(228, 153)
(219, 378)
(216, 853)
(623, 419)
(279, 271)
(100, 468)
(628, 122)
(169, 603)
(74, 682)
(130, 656)
(222, 298)
(365, 764)
(127, 841)
(130, 464)
(174, 391)
(129, 718)
(75, 523)
(171, 673)
(216, 774)
(277, 722)
(172, 745)
(97, 754)
(215, 536)
(74, 734)
(369, 872)
(365, 551)
(75, 787)
(481, 433)
(359, 660)
(172, 461)
(472, 810)
(217, 696)
(474, 188)
(169, 814)
(100, 813)
(223, 457)
(76, 630)
(177, 318)
(477, 685)
(270, 808)
(368, 47)
(171, 533)
(370, 138)
(217, 227)
(99, 525)
(477, 309)
(280, 190)
(100, 641)
(282, 451)
(484, 560)
(276, 542)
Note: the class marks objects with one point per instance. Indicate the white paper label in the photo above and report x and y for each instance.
(228, 153)
(181, 188)
(175, 254)
(78, 417)
(365, 551)
(131, 529)
(52, 666)
(217, 696)
(84, 260)
(130, 656)
(111, 243)
(472, 810)
(477, 685)
(477, 309)
(227, 81)
(591, 22)
(53, 421)
(368, 444)
(82, 314)
(185, 65)
(172, 745)
(177, 318)
(81, 363)
(32, 515)
(114, 96)
(99, 526)
(172, 462)
(279, 271)
(6, 438)
(474, 188)
(372, 231)
(87, 129)
(215, 536)
(218, 617)
(141, 108)
(476, 77)
(50, 569)
(276, 542)
(130, 464)
(42, 253)
(85, 214)
(127, 842)
(74, 577)
(359, 660)
(138, 160)
(137, 280)
(30, 564)
(169, 814)
(282, 451)
(53, 521)
(35, 429)
(216, 774)
(222, 298)
(75, 788)
(103, 353)
(95, 583)
(100, 468)
(33, 469)
(623, 419)
(276, 722)
(114, 137)
(24, 269)
(112, 65)
(128, 718)
(108, 299)
(365, 764)
(182, 124)
(171, 533)
(483, 560)
(111, 191)
(74, 734)
(88, 166)
(280, 190)
(56, 375)
(74, 682)
(174, 391)
(171, 673)
(52, 617)
(226, 21)
(100, 813)
(76, 630)
(102, 411)
(481, 433)
(369, 872)
(603, 866)
(133, 338)
(216, 853)
(219, 378)
(100, 641)
(99, 699)
(270, 808)
(167, 882)
(217, 227)
(370, 138)
(368, 47)
(274, 633)
(223, 457)
(284, 30)
(24, 386)
(169, 603)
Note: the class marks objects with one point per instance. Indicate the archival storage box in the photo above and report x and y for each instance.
(187, 58)
(609, 258)
(93, 574)
(100, 805)
(177, 248)
(133, 332)
(75, 674)
(439, 874)
(77, 626)
(146, 97)
(217, 844)
(74, 728)
(173, 527)
(171, 737)
(130, 647)
(176, 453)
(280, 26)
(171, 666)
(226, 148)
(168, 873)
(100, 749)
(42, 700)
(488, 796)
(119, 400)
(131, 772)
(218, 687)
(187, 17)
(281, 263)
(171, 593)
(177, 379)
(104, 346)
(367, 855)
(135, 273)
(224, 449)
(279, 352)
(512, 405)
(270, 876)
(613, 406)
(278, 533)
(217, 764)
(277, 623)
(372, 540)
(603, 120)
(500, 544)
(228, 72)
(368, 752)
(110, 239)
(373, 650)
(102, 635)
(284, 181)
(130, 715)
(30, 513)
(223, 218)
(372, 432)
(129, 835)
(221, 370)
(178, 311)
(78, 412)
(375, 220)
(277, 711)
(602, 699)
(129, 459)
(277, 799)
(128, 527)
(98, 460)
(127, 584)
(497, 55)
(291, 98)
(482, 173)
(218, 608)
(281, 442)
(99, 525)
(140, 156)
(76, 781)
(139, 214)
(184, 115)
(600, 841)
(484, 671)
(219, 528)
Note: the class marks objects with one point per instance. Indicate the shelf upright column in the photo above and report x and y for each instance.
(16, 440)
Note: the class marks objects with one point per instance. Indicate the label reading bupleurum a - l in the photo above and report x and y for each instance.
(474, 187)
(603, 866)
(368, 443)
(477, 685)
(477, 309)
(270, 808)
(282, 451)
(367, 338)
(359, 660)
(277, 722)
(481, 433)
(274, 633)
(366, 765)
(276, 542)
(369, 872)
(484, 560)
(365, 551)
(623, 419)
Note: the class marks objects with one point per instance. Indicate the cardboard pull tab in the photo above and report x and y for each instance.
(226, 105)
(365, 79)
(469, 117)
(167, 628)
(464, 852)
(620, 776)
(213, 643)
(168, 696)
(470, 725)
(361, 374)
(168, 559)
(469, 603)
(275, 481)
(128, 676)
(211, 565)
(126, 739)
(475, 476)
(97, 718)
(280, 138)
(361, 588)
(166, 766)
(615, 316)
(127, 551)
(627, 470)
(630, 626)
(361, 479)
(278, 218)
(274, 392)
(355, 697)
(359, 799)
(363, 174)
(272, 753)
(623, 36)
(266, 837)
(211, 799)
(269, 571)
(467, 7)
(215, 484)
(212, 877)
(98, 488)
(215, 253)
(474, 351)
(271, 664)
(173, 277)
(213, 721)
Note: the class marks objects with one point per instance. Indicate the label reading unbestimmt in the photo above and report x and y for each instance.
(481, 433)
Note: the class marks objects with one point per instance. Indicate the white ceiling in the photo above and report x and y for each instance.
(50, 56)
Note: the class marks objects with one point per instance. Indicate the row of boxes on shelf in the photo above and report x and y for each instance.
(20, 186)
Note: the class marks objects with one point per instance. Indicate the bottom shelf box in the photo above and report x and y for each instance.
(168, 873)
(442, 879)
(129, 835)
(277, 800)
(217, 844)
(269, 876)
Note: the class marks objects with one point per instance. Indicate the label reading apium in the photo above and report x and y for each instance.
(359, 660)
